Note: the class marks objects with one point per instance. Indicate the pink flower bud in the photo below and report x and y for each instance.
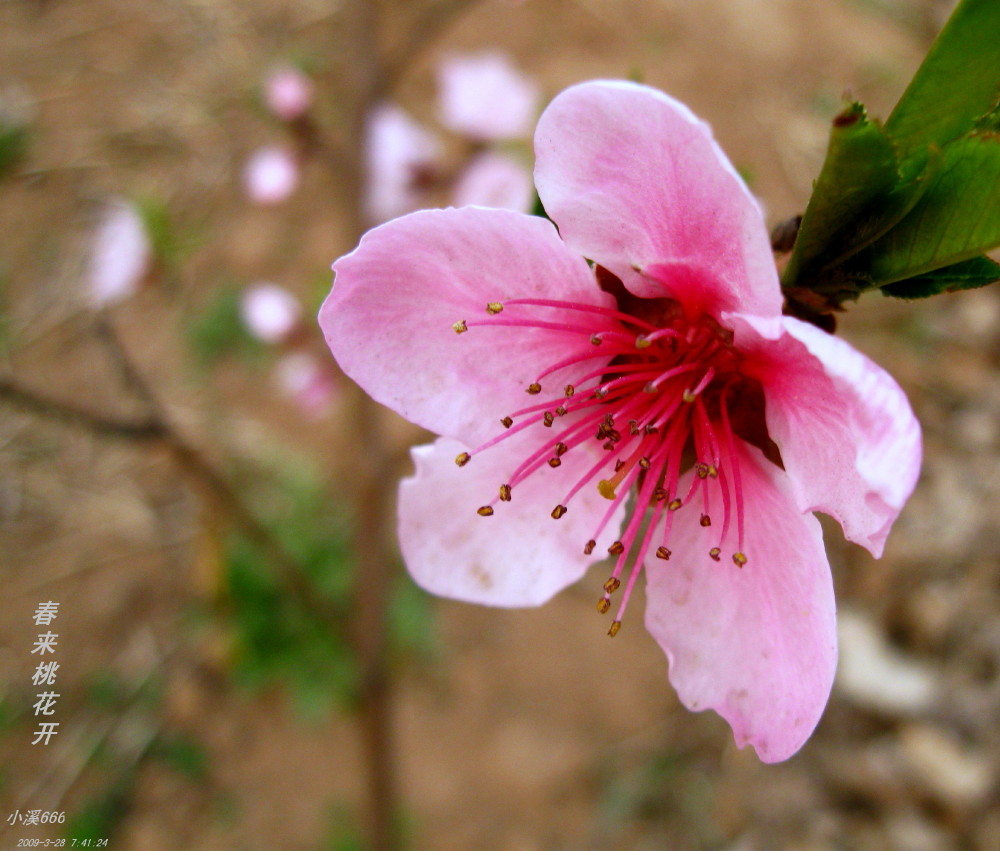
(303, 379)
(271, 175)
(485, 97)
(288, 93)
(495, 180)
(121, 255)
(270, 312)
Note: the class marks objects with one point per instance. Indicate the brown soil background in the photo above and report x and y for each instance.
(530, 729)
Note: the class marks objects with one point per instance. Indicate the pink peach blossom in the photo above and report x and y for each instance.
(303, 378)
(493, 179)
(271, 175)
(288, 93)
(121, 255)
(270, 312)
(673, 418)
(484, 96)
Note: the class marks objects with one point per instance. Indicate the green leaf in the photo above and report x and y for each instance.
(955, 219)
(967, 275)
(859, 170)
(957, 83)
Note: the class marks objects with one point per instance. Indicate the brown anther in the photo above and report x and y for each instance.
(615, 626)
(619, 464)
(714, 553)
(663, 552)
(659, 494)
(595, 340)
(705, 520)
(493, 308)
(614, 435)
(484, 511)
(554, 462)
(612, 585)
(506, 422)
(561, 411)
(602, 432)
(650, 388)
(633, 427)
(462, 459)
(701, 469)
(651, 429)
(641, 342)
(535, 388)
(548, 418)
(569, 390)
(608, 445)
(609, 420)
(600, 392)
(558, 512)
(739, 559)
(505, 493)
(674, 504)
(603, 605)
(644, 463)
(460, 327)
(688, 396)
(616, 549)
(589, 547)
(561, 449)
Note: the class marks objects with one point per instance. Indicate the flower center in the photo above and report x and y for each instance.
(655, 391)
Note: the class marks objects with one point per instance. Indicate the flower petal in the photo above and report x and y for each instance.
(848, 437)
(757, 644)
(388, 320)
(518, 557)
(635, 181)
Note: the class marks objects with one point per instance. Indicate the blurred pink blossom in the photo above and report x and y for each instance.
(121, 255)
(658, 399)
(485, 97)
(288, 93)
(270, 312)
(492, 179)
(306, 381)
(399, 155)
(271, 175)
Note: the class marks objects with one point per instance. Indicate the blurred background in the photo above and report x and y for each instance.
(243, 663)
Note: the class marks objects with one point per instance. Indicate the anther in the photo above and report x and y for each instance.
(644, 462)
(606, 489)
(505, 493)
(650, 388)
(616, 549)
(705, 520)
(641, 342)
(554, 462)
(595, 340)
(601, 392)
(460, 327)
(663, 552)
(548, 419)
(713, 471)
(535, 388)
(652, 429)
(688, 396)
(569, 390)
(619, 464)
(462, 459)
(674, 504)
(603, 605)
(589, 547)
(484, 511)
(739, 559)
(701, 469)
(493, 308)
(612, 585)
(561, 411)
(506, 422)
(714, 553)
(659, 494)
(561, 449)
(633, 427)
(615, 626)
(558, 512)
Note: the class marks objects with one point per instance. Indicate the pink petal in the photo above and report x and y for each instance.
(485, 97)
(518, 557)
(757, 644)
(121, 255)
(388, 320)
(271, 175)
(635, 181)
(847, 435)
(495, 180)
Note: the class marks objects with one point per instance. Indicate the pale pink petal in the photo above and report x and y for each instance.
(757, 644)
(121, 255)
(635, 181)
(399, 152)
(270, 312)
(495, 180)
(388, 320)
(288, 93)
(847, 435)
(484, 96)
(303, 379)
(271, 175)
(518, 557)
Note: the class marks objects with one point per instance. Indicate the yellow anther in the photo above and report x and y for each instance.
(462, 458)
(615, 626)
(460, 327)
(606, 489)
(713, 471)
(505, 493)
(569, 390)
(663, 553)
(739, 559)
(534, 388)
(641, 342)
(484, 511)
(674, 504)
(603, 605)
(714, 553)
(701, 469)
(612, 585)
(558, 512)
(644, 463)
(659, 494)
(688, 396)
(493, 308)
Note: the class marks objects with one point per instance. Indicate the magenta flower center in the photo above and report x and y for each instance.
(660, 393)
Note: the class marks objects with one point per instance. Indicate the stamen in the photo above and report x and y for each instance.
(739, 559)
(460, 327)
(615, 626)
(603, 605)
(462, 459)
(484, 511)
(705, 520)
(714, 553)
(558, 511)
(535, 388)
(505, 493)
(506, 422)
(616, 549)
(554, 462)
(493, 308)
(612, 585)
(664, 553)
(589, 547)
